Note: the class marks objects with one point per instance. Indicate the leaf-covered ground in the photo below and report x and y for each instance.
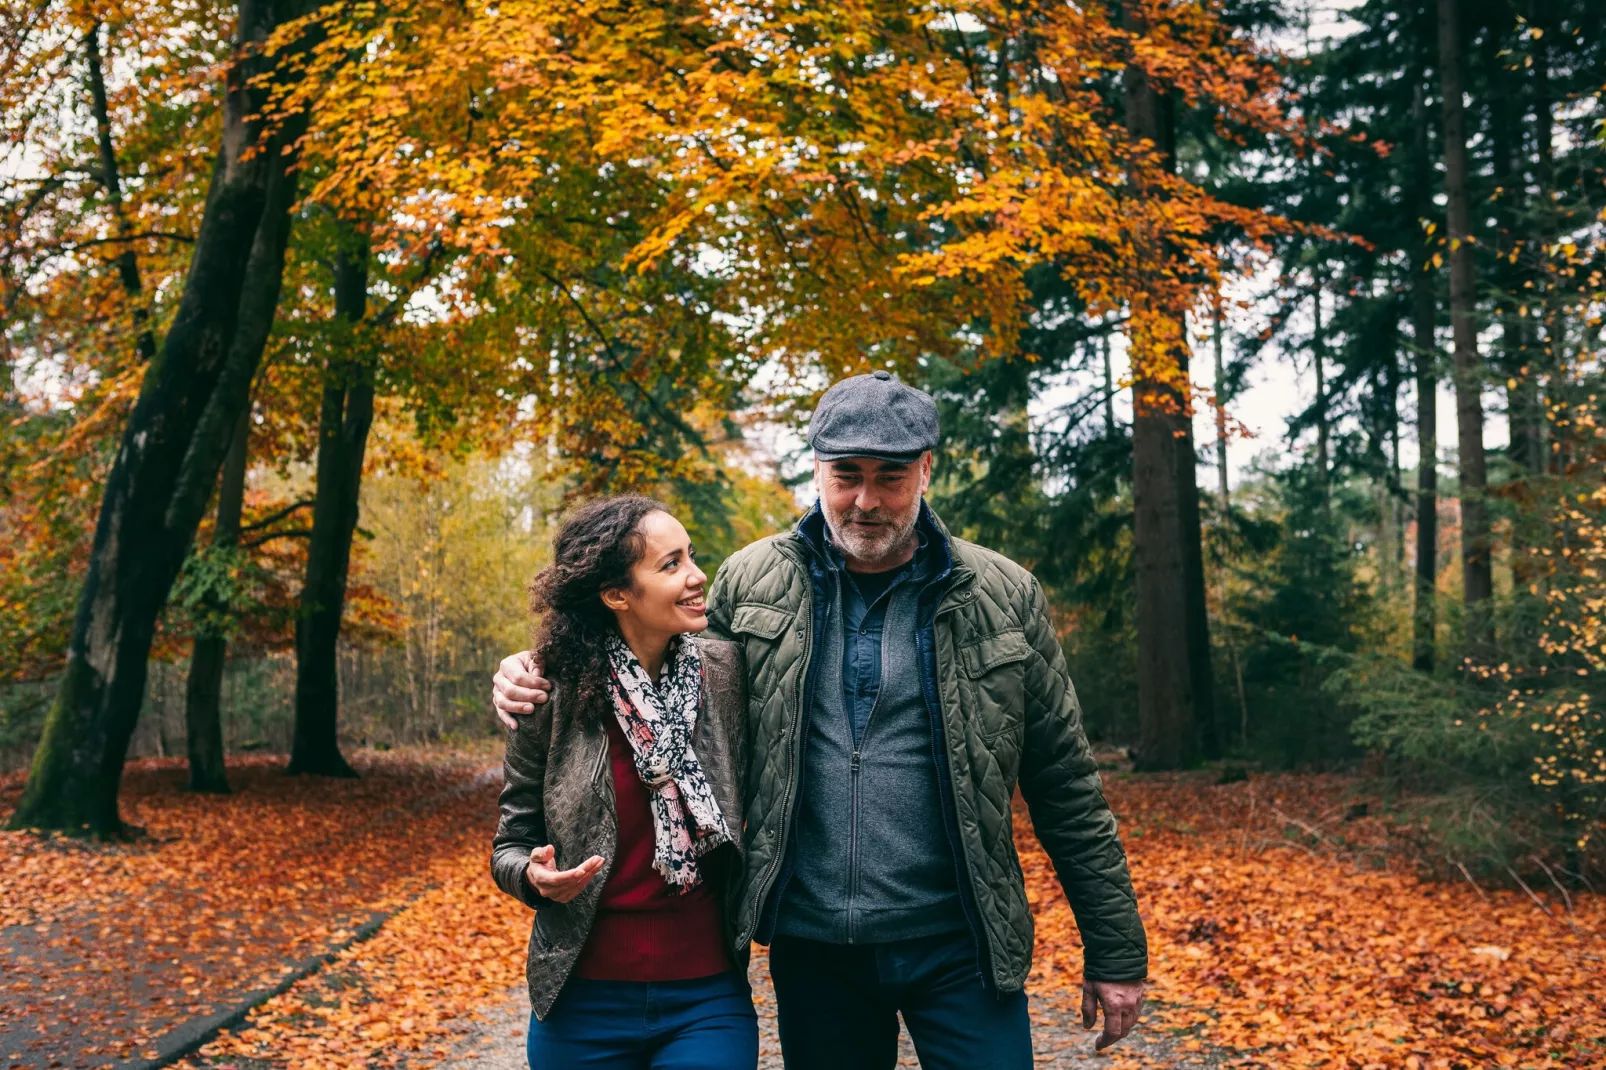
(104, 947)
(1282, 934)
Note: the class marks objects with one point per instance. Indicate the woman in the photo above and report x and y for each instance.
(620, 815)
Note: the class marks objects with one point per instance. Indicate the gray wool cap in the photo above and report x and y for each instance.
(875, 416)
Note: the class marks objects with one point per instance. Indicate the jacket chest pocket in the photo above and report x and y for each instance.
(994, 667)
(762, 630)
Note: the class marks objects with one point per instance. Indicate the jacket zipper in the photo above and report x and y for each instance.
(609, 815)
(945, 785)
(853, 844)
(853, 768)
(806, 634)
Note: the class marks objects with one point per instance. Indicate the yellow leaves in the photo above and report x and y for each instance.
(769, 138)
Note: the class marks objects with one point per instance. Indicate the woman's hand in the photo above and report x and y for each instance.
(559, 885)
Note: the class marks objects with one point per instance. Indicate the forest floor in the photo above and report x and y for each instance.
(1281, 934)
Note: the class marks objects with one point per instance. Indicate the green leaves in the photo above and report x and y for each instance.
(215, 589)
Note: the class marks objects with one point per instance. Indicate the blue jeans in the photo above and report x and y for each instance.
(838, 1006)
(705, 1024)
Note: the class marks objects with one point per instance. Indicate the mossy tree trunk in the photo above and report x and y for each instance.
(203, 693)
(171, 451)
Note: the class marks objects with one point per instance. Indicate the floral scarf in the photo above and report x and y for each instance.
(657, 720)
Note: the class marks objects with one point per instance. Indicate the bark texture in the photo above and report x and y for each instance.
(1477, 575)
(203, 691)
(1424, 317)
(1175, 717)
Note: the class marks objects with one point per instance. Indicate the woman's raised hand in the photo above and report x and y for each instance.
(559, 885)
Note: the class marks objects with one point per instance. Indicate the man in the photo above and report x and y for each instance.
(900, 682)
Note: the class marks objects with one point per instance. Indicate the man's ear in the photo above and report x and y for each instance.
(817, 488)
(616, 599)
(925, 472)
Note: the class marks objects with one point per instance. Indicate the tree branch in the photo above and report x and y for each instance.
(672, 419)
(127, 263)
(294, 533)
(274, 518)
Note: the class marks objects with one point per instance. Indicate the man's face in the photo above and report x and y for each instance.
(871, 506)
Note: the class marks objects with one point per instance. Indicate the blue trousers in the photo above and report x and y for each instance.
(705, 1024)
(838, 1006)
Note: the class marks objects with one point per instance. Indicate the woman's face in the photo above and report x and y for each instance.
(667, 588)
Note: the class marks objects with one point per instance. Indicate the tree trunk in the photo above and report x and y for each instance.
(168, 461)
(203, 693)
(1394, 544)
(1318, 349)
(1173, 663)
(1477, 576)
(1201, 670)
(1224, 489)
(1547, 354)
(1424, 317)
(1109, 385)
(1520, 370)
(343, 422)
(1217, 341)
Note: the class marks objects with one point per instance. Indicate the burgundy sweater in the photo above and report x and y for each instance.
(644, 930)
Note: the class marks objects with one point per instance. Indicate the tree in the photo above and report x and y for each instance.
(171, 449)
(1172, 694)
(203, 689)
(1477, 575)
(127, 260)
(345, 415)
(107, 166)
(1424, 321)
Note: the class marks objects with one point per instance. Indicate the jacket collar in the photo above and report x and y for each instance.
(811, 533)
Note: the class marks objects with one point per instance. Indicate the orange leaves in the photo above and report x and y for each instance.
(454, 952)
(115, 944)
(1301, 959)
(1268, 947)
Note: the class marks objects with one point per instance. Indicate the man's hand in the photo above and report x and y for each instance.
(1122, 1002)
(560, 885)
(517, 687)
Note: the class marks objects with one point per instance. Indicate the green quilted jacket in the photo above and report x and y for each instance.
(1009, 715)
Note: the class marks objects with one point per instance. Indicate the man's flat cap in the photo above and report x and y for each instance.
(873, 416)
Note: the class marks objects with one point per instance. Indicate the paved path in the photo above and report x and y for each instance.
(1058, 1037)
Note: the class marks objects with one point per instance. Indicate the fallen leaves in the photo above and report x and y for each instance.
(1290, 957)
(1269, 948)
(402, 997)
(108, 946)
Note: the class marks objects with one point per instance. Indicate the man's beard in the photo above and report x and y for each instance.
(873, 545)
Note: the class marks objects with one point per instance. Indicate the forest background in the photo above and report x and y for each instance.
(315, 319)
(324, 389)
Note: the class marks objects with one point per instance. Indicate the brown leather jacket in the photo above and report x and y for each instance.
(558, 789)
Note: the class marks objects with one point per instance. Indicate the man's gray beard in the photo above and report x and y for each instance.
(889, 542)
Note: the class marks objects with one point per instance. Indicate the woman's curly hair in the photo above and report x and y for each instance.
(594, 551)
